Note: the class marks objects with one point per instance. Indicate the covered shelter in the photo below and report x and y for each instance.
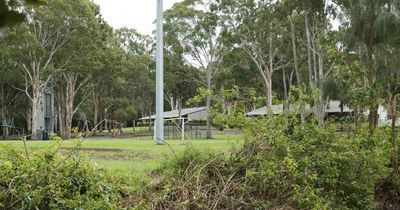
(337, 108)
(194, 113)
(276, 110)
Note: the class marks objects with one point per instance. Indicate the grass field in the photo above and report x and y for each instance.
(137, 129)
(138, 156)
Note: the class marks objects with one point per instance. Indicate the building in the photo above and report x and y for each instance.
(276, 110)
(47, 118)
(333, 108)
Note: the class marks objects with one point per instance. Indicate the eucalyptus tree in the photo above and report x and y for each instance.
(389, 85)
(181, 79)
(195, 26)
(36, 45)
(139, 70)
(12, 12)
(256, 28)
(369, 25)
(388, 79)
(78, 58)
(319, 41)
(8, 95)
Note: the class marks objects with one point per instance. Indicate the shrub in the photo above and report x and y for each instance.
(306, 167)
(49, 181)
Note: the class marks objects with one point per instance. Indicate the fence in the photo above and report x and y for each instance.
(174, 131)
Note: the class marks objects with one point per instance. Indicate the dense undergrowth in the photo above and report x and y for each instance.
(294, 167)
(50, 181)
(279, 167)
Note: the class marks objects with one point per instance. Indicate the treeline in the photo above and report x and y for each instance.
(264, 51)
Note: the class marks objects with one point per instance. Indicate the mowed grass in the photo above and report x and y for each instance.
(138, 156)
(137, 129)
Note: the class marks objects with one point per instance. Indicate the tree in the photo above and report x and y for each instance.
(264, 43)
(139, 71)
(11, 12)
(195, 26)
(79, 57)
(368, 27)
(35, 45)
(10, 99)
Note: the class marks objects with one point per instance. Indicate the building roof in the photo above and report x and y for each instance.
(276, 109)
(175, 113)
(332, 107)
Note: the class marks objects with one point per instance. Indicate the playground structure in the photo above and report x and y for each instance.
(7, 131)
(113, 127)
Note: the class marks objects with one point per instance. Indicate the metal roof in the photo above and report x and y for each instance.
(332, 107)
(175, 113)
(276, 109)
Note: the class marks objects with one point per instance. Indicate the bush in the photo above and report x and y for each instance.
(49, 181)
(304, 167)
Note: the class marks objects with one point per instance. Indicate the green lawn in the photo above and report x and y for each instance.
(137, 129)
(130, 154)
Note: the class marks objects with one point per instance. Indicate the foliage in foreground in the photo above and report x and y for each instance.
(50, 181)
(294, 167)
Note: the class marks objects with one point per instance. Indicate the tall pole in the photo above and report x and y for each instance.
(159, 77)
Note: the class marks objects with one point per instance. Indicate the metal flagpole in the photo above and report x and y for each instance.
(159, 77)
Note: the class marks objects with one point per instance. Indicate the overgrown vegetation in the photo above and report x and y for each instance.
(301, 167)
(281, 166)
(47, 180)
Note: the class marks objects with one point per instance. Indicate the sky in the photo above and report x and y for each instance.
(138, 14)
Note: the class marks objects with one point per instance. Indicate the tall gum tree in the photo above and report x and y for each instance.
(78, 58)
(320, 48)
(255, 28)
(195, 25)
(367, 25)
(36, 44)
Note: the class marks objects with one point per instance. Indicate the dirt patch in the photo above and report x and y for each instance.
(93, 149)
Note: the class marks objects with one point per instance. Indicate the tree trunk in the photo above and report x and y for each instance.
(3, 113)
(35, 114)
(393, 104)
(314, 55)
(29, 120)
(96, 101)
(150, 119)
(321, 103)
(67, 97)
(394, 134)
(270, 70)
(105, 120)
(268, 92)
(286, 104)
(61, 113)
(294, 49)
(309, 61)
(208, 104)
(373, 112)
(179, 106)
(66, 105)
(171, 100)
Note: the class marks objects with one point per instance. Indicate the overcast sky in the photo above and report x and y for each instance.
(138, 14)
